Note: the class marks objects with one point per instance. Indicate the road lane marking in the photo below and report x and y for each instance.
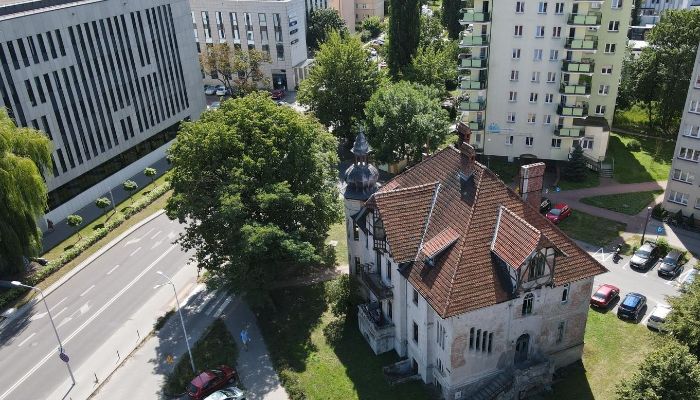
(86, 323)
(65, 321)
(135, 251)
(37, 316)
(26, 340)
(112, 270)
(624, 267)
(156, 244)
(56, 305)
(156, 235)
(60, 312)
(88, 289)
(147, 233)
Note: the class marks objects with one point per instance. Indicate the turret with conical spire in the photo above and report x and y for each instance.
(361, 177)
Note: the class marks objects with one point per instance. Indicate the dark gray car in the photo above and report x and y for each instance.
(671, 264)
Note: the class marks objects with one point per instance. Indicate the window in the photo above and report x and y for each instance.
(697, 203)
(549, 98)
(533, 97)
(441, 335)
(529, 140)
(509, 140)
(553, 55)
(688, 154)
(559, 8)
(518, 31)
(682, 176)
(519, 6)
(516, 54)
(415, 297)
(600, 109)
(490, 342)
(697, 81)
(556, 32)
(478, 339)
(606, 69)
(471, 338)
(587, 143)
(355, 231)
(610, 48)
(603, 90)
(614, 26)
(556, 143)
(617, 4)
(512, 96)
(527, 304)
(560, 331)
(537, 56)
(692, 131)
(539, 31)
(439, 366)
(415, 332)
(547, 119)
(535, 76)
(678, 197)
(694, 106)
(510, 117)
(565, 294)
(551, 77)
(531, 117)
(542, 7)
(388, 270)
(537, 265)
(514, 75)
(390, 309)
(358, 267)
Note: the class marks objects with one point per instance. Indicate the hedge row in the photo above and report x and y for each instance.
(71, 254)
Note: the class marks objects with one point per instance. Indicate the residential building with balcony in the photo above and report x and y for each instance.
(107, 81)
(650, 11)
(464, 278)
(537, 77)
(683, 190)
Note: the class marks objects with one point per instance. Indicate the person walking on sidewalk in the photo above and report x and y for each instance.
(245, 339)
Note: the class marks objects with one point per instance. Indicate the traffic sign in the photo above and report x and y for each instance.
(659, 230)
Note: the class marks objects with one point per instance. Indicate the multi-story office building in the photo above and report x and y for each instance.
(682, 191)
(650, 10)
(539, 76)
(108, 81)
(276, 27)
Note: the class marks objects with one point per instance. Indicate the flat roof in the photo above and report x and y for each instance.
(9, 7)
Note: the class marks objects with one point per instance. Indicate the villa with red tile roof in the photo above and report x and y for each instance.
(478, 292)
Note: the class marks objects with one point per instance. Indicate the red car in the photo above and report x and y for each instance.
(277, 94)
(210, 381)
(558, 213)
(604, 296)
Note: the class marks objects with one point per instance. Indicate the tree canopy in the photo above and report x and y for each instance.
(404, 32)
(404, 120)
(683, 321)
(450, 17)
(575, 170)
(340, 83)
(241, 71)
(433, 66)
(321, 22)
(373, 25)
(257, 185)
(430, 30)
(24, 153)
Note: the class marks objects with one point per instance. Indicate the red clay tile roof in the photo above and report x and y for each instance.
(515, 240)
(465, 276)
(440, 242)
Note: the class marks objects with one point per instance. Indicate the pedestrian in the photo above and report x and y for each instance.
(245, 338)
(50, 225)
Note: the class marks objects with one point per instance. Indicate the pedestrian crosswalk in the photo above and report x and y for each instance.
(213, 304)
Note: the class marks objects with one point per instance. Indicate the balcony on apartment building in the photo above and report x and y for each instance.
(474, 126)
(377, 329)
(472, 82)
(591, 18)
(374, 283)
(469, 39)
(468, 61)
(578, 110)
(589, 42)
(584, 66)
(568, 131)
(470, 15)
(572, 89)
(472, 105)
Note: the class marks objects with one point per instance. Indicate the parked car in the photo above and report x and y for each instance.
(210, 381)
(689, 279)
(209, 90)
(214, 105)
(631, 306)
(671, 264)
(545, 205)
(645, 257)
(221, 90)
(605, 295)
(231, 393)
(277, 94)
(558, 213)
(657, 319)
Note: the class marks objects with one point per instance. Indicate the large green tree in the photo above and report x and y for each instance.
(430, 30)
(451, 16)
(433, 66)
(24, 153)
(667, 373)
(321, 22)
(340, 83)
(683, 321)
(404, 33)
(241, 71)
(256, 184)
(575, 170)
(404, 120)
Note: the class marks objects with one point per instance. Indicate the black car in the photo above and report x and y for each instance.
(631, 306)
(645, 257)
(545, 205)
(671, 264)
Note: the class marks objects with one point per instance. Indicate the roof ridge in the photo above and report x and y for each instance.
(523, 220)
(427, 220)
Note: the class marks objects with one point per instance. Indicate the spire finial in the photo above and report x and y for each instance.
(361, 146)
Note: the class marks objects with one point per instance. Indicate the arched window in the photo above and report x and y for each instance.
(537, 266)
(565, 294)
(522, 347)
(527, 303)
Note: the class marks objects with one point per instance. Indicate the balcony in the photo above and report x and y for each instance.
(472, 83)
(478, 105)
(377, 330)
(471, 40)
(475, 125)
(571, 89)
(470, 16)
(585, 66)
(573, 111)
(568, 132)
(374, 283)
(467, 61)
(590, 19)
(587, 43)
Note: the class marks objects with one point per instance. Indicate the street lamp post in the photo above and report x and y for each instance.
(62, 355)
(646, 223)
(179, 310)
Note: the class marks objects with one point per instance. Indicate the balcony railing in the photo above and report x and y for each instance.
(568, 131)
(478, 105)
(472, 83)
(590, 19)
(476, 125)
(472, 62)
(470, 40)
(573, 111)
(585, 66)
(373, 281)
(377, 329)
(469, 16)
(587, 43)
(575, 89)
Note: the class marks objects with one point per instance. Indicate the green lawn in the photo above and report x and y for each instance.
(311, 368)
(651, 163)
(338, 233)
(626, 203)
(505, 170)
(592, 180)
(591, 229)
(612, 351)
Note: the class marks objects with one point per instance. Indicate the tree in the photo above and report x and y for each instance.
(130, 187)
(341, 294)
(257, 185)
(241, 71)
(667, 373)
(340, 83)
(321, 22)
(450, 17)
(432, 66)
(74, 221)
(683, 320)
(404, 32)
(373, 25)
(430, 30)
(150, 173)
(642, 81)
(575, 170)
(24, 152)
(102, 203)
(404, 120)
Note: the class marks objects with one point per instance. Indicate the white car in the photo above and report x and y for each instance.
(209, 90)
(689, 279)
(214, 106)
(232, 393)
(657, 319)
(221, 90)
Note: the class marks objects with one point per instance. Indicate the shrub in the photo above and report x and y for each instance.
(663, 246)
(333, 332)
(658, 212)
(160, 322)
(341, 295)
(634, 145)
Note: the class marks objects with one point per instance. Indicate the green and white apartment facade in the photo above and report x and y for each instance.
(536, 77)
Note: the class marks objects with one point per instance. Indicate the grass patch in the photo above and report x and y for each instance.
(505, 170)
(214, 348)
(311, 368)
(592, 180)
(591, 229)
(612, 351)
(634, 119)
(338, 233)
(651, 163)
(626, 203)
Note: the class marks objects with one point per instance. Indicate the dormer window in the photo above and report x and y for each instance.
(379, 234)
(537, 264)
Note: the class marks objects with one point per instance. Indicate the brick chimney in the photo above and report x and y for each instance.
(531, 182)
(468, 157)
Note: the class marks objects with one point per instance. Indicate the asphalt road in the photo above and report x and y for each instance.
(116, 289)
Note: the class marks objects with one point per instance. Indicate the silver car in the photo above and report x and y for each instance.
(232, 393)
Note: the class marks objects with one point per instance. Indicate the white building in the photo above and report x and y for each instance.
(276, 27)
(538, 76)
(650, 10)
(682, 191)
(107, 80)
(469, 282)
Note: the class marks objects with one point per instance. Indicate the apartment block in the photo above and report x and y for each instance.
(682, 191)
(650, 10)
(537, 77)
(351, 11)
